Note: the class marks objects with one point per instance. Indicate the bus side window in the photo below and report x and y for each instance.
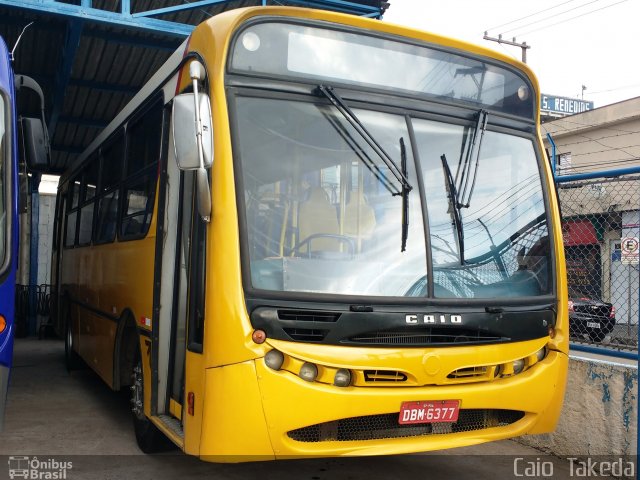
(87, 200)
(112, 157)
(143, 151)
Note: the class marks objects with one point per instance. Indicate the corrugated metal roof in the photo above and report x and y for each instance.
(110, 63)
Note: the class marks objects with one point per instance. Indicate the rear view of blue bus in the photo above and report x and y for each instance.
(8, 222)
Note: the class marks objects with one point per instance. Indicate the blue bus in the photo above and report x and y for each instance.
(8, 219)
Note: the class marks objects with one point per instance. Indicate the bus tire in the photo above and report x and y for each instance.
(149, 438)
(72, 360)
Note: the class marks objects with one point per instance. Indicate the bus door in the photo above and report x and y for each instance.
(181, 295)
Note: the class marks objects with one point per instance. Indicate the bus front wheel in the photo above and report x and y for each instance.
(149, 438)
(72, 360)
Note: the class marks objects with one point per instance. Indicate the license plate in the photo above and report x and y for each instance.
(429, 411)
(593, 325)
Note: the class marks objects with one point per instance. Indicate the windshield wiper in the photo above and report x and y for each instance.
(464, 183)
(454, 206)
(355, 122)
(400, 173)
(360, 153)
(405, 197)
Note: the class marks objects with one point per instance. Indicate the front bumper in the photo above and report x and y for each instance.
(251, 410)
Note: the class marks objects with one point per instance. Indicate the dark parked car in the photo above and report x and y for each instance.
(590, 316)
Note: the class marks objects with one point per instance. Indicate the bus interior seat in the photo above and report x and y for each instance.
(318, 216)
(359, 217)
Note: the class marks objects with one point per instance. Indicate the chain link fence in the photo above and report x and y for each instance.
(601, 230)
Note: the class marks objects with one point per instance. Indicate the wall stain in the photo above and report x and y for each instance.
(628, 397)
(606, 394)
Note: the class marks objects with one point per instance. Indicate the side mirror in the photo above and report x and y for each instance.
(185, 134)
(35, 149)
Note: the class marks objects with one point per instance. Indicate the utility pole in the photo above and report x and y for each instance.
(513, 42)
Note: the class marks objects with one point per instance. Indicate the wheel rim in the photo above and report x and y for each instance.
(137, 390)
(69, 342)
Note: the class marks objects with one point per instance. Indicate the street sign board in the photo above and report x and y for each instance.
(563, 105)
(629, 248)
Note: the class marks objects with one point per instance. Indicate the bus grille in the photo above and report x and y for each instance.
(384, 376)
(307, 316)
(306, 334)
(469, 372)
(376, 427)
(426, 337)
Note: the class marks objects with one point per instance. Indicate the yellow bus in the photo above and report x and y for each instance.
(315, 234)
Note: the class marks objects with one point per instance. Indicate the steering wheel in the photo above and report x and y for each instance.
(295, 251)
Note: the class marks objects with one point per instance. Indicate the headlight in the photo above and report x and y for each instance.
(274, 359)
(342, 378)
(540, 354)
(308, 372)
(518, 366)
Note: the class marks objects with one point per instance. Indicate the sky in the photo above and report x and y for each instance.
(573, 43)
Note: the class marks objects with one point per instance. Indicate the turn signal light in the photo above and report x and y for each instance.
(3, 323)
(259, 336)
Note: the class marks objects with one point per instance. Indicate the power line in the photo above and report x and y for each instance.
(610, 149)
(564, 145)
(552, 16)
(528, 16)
(558, 124)
(624, 87)
(573, 18)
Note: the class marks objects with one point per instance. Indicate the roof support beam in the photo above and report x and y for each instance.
(178, 8)
(340, 5)
(72, 42)
(168, 45)
(114, 19)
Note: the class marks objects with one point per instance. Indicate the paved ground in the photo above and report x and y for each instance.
(75, 418)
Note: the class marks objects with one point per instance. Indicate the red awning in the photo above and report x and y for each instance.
(578, 232)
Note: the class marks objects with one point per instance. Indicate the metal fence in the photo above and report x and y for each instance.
(601, 230)
(40, 309)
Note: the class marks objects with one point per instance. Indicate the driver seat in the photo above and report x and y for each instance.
(359, 217)
(318, 216)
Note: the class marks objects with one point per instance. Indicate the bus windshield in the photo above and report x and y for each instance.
(320, 217)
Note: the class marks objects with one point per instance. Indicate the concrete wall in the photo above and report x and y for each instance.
(599, 414)
(45, 236)
(47, 205)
